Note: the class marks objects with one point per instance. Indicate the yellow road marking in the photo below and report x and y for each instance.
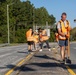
(70, 70)
(25, 59)
(28, 57)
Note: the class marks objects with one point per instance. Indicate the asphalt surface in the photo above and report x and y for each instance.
(73, 51)
(73, 56)
(43, 63)
(11, 55)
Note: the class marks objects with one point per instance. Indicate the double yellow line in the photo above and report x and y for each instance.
(27, 58)
(21, 62)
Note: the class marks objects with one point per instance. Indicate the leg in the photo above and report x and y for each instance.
(67, 52)
(30, 44)
(29, 47)
(42, 44)
(47, 42)
(66, 49)
(35, 46)
(62, 52)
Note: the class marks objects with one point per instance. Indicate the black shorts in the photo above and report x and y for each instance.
(30, 42)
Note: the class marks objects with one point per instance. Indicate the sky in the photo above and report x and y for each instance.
(57, 7)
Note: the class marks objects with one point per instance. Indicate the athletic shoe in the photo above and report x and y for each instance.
(49, 49)
(40, 50)
(30, 51)
(67, 61)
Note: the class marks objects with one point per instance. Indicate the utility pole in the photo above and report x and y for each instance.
(8, 22)
(34, 18)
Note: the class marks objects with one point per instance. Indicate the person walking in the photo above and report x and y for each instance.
(36, 40)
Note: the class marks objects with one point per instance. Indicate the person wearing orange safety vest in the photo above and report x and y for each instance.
(44, 38)
(36, 40)
(63, 27)
(29, 36)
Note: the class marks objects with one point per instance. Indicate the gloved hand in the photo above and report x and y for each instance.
(68, 28)
(68, 36)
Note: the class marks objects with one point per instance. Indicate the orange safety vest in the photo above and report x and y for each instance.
(36, 38)
(64, 29)
(29, 35)
(44, 36)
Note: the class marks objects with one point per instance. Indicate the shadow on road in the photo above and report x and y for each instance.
(22, 52)
(46, 57)
(32, 66)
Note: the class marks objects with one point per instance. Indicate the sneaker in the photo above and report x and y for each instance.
(49, 49)
(30, 51)
(67, 61)
(40, 50)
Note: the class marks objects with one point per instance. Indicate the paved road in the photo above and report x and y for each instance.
(73, 56)
(73, 51)
(43, 63)
(10, 56)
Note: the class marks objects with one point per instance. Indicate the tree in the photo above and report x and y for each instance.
(22, 15)
(73, 33)
(51, 19)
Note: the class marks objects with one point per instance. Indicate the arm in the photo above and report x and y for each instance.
(59, 29)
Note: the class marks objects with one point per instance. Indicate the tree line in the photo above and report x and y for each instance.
(22, 15)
